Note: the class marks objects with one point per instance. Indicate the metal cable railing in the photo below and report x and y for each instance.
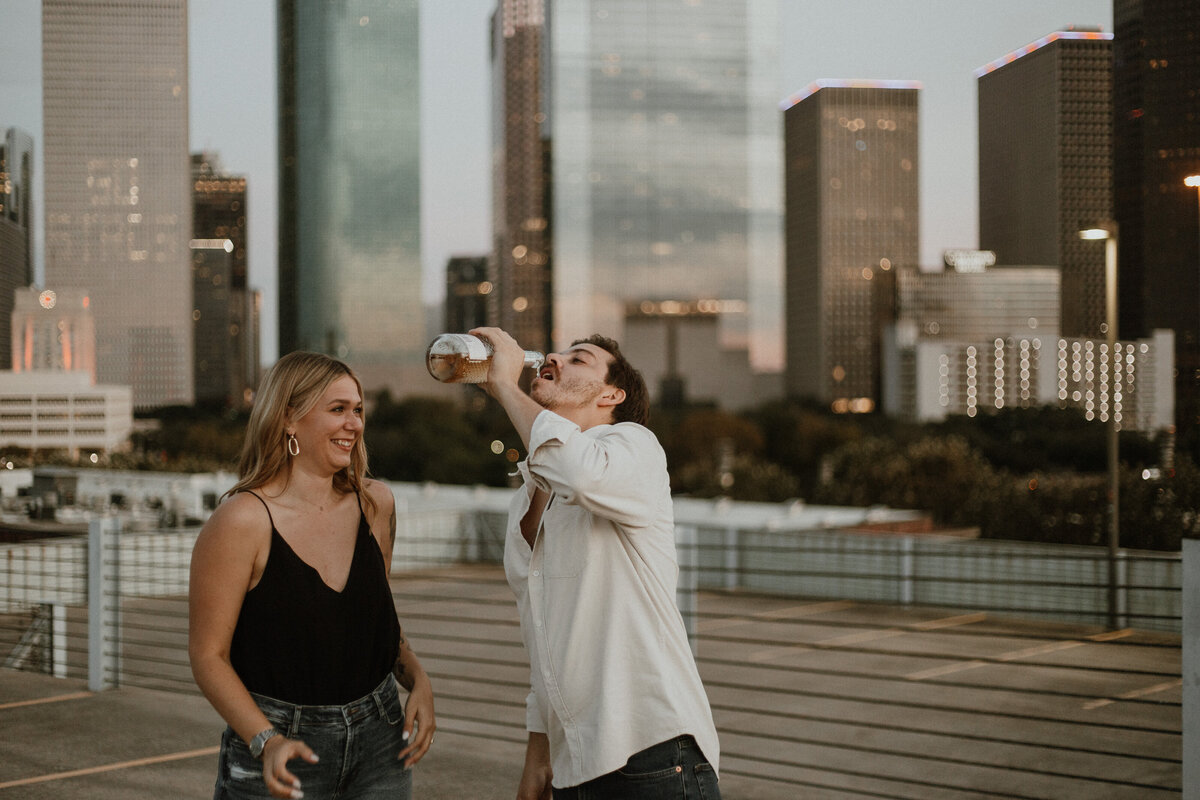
(889, 677)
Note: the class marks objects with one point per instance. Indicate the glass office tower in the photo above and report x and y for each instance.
(349, 182)
(665, 164)
(118, 184)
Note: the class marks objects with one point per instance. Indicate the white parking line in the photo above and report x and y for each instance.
(1155, 689)
(945, 669)
(950, 622)
(862, 636)
(790, 612)
(39, 701)
(140, 762)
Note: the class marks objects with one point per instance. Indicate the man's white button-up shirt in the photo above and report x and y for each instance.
(611, 671)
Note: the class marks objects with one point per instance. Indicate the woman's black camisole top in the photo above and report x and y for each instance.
(299, 641)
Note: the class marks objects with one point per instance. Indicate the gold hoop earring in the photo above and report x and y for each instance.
(292, 445)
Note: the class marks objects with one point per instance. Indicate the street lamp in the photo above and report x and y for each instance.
(1108, 232)
(1194, 181)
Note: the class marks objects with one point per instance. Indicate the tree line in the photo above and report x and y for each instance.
(1030, 474)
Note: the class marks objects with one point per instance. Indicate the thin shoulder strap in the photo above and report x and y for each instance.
(267, 507)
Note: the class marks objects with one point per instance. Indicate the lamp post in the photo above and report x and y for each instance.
(1194, 182)
(1108, 232)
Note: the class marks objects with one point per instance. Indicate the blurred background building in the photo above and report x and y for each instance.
(16, 226)
(1045, 164)
(852, 218)
(118, 205)
(53, 331)
(677, 347)
(227, 360)
(1156, 116)
(928, 371)
(64, 411)
(651, 133)
(522, 302)
(467, 293)
(349, 187)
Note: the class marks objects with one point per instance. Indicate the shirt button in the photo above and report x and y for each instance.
(537, 572)
(537, 623)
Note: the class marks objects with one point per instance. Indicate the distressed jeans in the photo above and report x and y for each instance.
(671, 770)
(357, 745)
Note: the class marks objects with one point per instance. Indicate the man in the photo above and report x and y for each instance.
(616, 707)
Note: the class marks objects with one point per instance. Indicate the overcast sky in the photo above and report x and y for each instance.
(232, 86)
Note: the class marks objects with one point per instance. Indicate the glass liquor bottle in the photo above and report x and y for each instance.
(463, 358)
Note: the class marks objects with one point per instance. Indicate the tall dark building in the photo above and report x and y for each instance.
(1045, 164)
(468, 290)
(16, 228)
(522, 300)
(228, 373)
(1156, 145)
(851, 216)
(213, 321)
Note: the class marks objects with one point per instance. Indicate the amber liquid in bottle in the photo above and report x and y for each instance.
(462, 358)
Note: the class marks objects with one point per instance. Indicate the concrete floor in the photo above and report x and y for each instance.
(812, 699)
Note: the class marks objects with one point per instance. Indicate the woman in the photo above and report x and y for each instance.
(293, 632)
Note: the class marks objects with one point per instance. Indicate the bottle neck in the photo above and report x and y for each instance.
(534, 359)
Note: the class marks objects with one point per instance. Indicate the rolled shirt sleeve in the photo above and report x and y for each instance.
(610, 475)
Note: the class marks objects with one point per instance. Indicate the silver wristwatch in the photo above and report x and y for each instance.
(260, 741)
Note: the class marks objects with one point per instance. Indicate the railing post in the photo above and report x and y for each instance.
(1191, 667)
(103, 603)
(1122, 594)
(57, 649)
(733, 558)
(906, 570)
(687, 554)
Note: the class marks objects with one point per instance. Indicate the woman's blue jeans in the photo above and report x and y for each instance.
(672, 770)
(357, 745)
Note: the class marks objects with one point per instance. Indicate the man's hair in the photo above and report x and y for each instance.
(623, 375)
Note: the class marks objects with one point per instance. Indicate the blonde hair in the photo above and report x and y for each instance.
(290, 389)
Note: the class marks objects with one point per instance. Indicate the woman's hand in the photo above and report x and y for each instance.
(278, 751)
(418, 714)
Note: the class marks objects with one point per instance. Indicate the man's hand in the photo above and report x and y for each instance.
(535, 779)
(503, 381)
(508, 360)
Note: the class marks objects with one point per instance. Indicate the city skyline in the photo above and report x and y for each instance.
(232, 84)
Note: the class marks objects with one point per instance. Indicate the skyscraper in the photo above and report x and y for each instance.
(1045, 164)
(118, 200)
(521, 181)
(467, 293)
(1156, 119)
(230, 365)
(850, 149)
(349, 205)
(16, 227)
(664, 141)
